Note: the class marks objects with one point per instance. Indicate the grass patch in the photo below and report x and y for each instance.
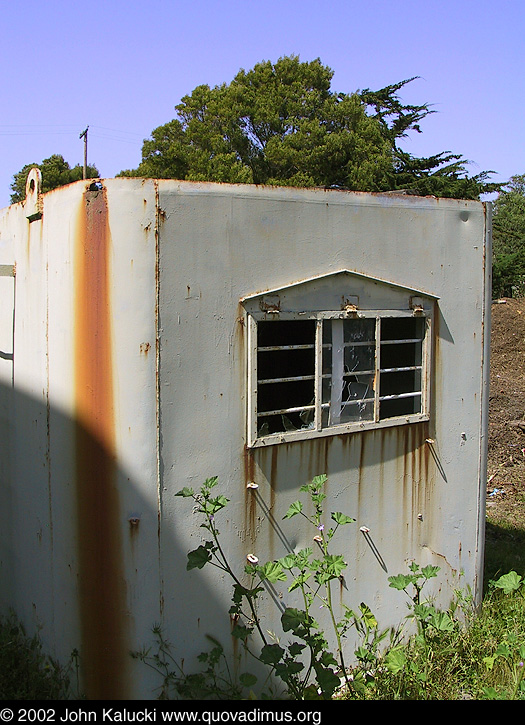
(26, 672)
(479, 655)
(481, 661)
(504, 549)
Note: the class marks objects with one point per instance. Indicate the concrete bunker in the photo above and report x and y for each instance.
(154, 333)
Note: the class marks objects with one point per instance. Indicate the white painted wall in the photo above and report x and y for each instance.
(168, 407)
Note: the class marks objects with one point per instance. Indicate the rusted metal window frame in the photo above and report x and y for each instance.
(317, 430)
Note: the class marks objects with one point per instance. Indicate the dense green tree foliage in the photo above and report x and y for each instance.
(281, 124)
(55, 172)
(509, 239)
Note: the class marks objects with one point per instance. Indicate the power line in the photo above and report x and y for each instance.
(116, 130)
(115, 138)
(34, 129)
(36, 133)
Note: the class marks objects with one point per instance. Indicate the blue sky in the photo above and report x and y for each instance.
(121, 66)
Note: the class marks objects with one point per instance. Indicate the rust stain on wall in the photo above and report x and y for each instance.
(273, 491)
(101, 578)
(250, 504)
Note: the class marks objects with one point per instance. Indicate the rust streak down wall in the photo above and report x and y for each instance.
(102, 594)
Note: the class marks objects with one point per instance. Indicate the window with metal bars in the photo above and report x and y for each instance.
(314, 374)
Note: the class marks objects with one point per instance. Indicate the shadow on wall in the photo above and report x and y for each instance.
(80, 551)
(84, 549)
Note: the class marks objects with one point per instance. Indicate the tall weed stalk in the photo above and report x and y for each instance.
(306, 665)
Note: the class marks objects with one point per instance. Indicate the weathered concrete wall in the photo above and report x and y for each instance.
(420, 501)
(128, 382)
(83, 457)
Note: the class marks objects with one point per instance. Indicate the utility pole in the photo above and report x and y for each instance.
(84, 135)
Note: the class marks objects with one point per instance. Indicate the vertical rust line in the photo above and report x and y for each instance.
(101, 576)
(158, 223)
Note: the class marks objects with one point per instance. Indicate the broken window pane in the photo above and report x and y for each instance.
(349, 370)
(360, 330)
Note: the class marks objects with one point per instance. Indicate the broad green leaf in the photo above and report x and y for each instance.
(367, 616)
(239, 592)
(311, 693)
(211, 482)
(318, 498)
(327, 659)
(287, 562)
(323, 577)
(302, 558)
(299, 580)
(492, 694)
(362, 654)
(198, 558)
(359, 683)
(272, 571)
(186, 492)
(395, 660)
(510, 582)
(213, 505)
(295, 649)
(423, 611)
(442, 622)
(292, 619)
(335, 564)
(271, 654)
(247, 679)
(342, 519)
(241, 632)
(430, 571)
(400, 581)
(287, 668)
(489, 662)
(294, 509)
(327, 679)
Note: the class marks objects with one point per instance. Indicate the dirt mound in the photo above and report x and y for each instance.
(506, 456)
